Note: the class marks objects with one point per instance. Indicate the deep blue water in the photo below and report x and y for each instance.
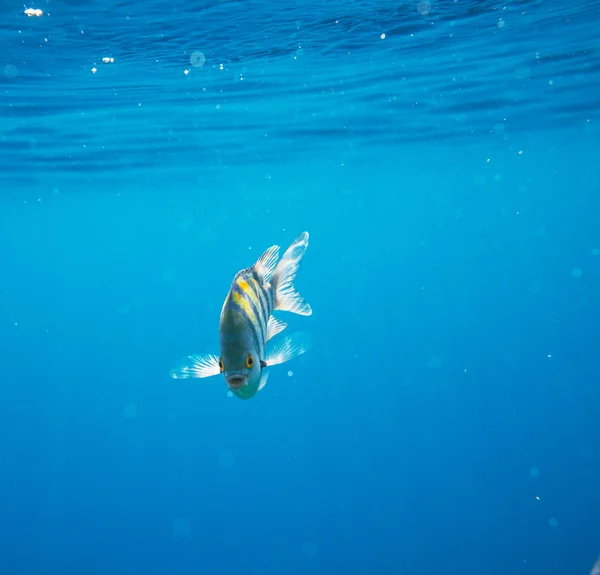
(444, 157)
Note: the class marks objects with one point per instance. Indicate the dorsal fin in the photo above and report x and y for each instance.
(265, 265)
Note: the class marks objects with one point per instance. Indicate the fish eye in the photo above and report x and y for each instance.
(221, 365)
(249, 362)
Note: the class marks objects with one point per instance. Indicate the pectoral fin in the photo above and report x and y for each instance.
(205, 365)
(290, 347)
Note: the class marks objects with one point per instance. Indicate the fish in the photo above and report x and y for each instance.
(247, 324)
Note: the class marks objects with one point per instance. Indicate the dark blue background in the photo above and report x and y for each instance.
(446, 419)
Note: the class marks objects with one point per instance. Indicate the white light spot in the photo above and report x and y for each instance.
(310, 549)
(186, 72)
(94, 70)
(534, 472)
(520, 152)
(108, 60)
(226, 458)
(197, 59)
(33, 12)
(130, 411)
(553, 522)
(537, 498)
(577, 272)
(182, 528)
(290, 373)
(382, 36)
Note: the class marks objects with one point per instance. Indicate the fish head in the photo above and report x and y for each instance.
(240, 363)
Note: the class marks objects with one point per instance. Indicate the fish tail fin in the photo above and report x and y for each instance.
(284, 293)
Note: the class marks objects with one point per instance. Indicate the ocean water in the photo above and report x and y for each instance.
(444, 156)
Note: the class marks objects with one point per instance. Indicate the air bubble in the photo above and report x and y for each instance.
(424, 8)
(10, 71)
(226, 458)
(130, 411)
(182, 528)
(197, 59)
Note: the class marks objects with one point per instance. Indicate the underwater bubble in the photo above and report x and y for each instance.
(290, 373)
(534, 472)
(553, 522)
(197, 59)
(577, 272)
(10, 71)
(226, 458)
(186, 224)
(182, 527)
(169, 275)
(424, 8)
(310, 549)
(130, 411)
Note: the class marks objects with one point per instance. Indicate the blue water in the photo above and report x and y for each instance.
(444, 158)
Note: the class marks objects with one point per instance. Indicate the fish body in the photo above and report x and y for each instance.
(247, 323)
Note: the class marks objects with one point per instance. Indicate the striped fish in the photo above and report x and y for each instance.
(247, 323)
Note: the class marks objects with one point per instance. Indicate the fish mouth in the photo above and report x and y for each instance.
(236, 381)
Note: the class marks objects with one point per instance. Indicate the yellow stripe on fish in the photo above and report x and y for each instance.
(253, 293)
(244, 304)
